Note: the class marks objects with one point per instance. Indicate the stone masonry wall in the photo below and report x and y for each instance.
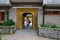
(40, 16)
(12, 14)
(52, 19)
(49, 32)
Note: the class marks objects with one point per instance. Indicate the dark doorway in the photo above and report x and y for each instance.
(24, 18)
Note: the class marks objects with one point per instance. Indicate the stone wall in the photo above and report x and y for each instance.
(49, 32)
(52, 19)
(40, 16)
(12, 14)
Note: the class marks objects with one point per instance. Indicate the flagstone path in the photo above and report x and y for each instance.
(24, 34)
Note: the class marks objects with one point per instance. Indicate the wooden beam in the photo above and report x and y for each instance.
(27, 3)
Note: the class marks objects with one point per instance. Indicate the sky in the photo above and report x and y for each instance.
(4, 1)
(51, 1)
(44, 1)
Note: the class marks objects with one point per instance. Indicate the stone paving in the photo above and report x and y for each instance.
(25, 34)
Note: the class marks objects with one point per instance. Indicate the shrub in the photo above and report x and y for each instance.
(7, 23)
(0, 24)
(49, 26)
(43, 25)
(10, 22)
(53, 26)
(4, 23)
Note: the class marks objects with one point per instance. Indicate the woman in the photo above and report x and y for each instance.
(28, 21)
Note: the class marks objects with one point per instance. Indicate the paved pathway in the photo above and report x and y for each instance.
(25, 34)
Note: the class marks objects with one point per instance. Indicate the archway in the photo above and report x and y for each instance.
(24, 17)
(24, 11)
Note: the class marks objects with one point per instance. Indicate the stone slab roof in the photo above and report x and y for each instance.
(51, 1)
(5, 3)
(26, 0)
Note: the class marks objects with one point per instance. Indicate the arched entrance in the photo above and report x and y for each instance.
(22, 12)
(30, 17)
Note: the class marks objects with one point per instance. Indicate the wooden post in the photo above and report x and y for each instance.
(44, 14)
(6, 14)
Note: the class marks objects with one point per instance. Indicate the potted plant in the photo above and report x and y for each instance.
(8, 26)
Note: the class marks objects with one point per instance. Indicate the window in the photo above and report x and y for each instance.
(47, 13)
(55, 12)
(1, 16)
(52, 13)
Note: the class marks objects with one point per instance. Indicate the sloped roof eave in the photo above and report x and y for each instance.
(26, 0)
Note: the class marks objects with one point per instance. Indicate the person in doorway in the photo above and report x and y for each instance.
(28, 21)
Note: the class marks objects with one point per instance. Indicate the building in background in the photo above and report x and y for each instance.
(42, 11)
